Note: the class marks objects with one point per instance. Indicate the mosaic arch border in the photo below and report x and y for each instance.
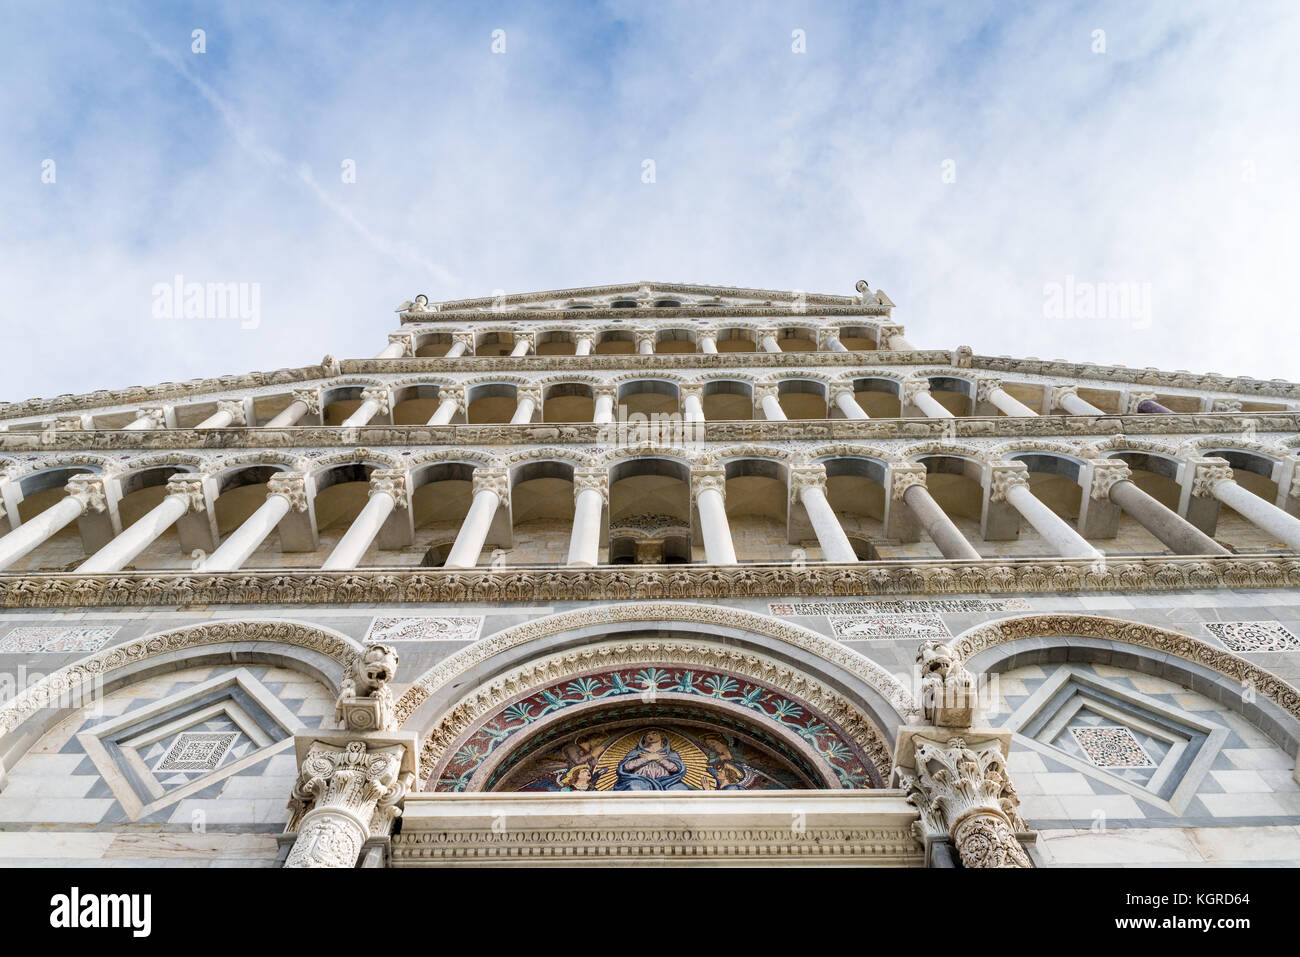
(485, 700)
(315, 650)
(1150, 644)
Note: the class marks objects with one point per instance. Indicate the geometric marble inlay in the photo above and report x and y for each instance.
(464, 628)
(197, 751)
(1112, 747)
(26, 639)
(1253, 635)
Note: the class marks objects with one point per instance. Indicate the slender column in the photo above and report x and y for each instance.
(917, 391)
(809, 484)
(387, 491)
(1168, 526)
(768, 402)
(147, 420)
(373, 402)
(1144, 403)
(891, 337)
(399, 344)
(1217, 480)
(590, 495)
(1067, 397)
(304, 401)
(829, 340)
(527, 401)
(523, 343)
(692, 403)
(85, 492)
(585, 344)
(491, 490)
(461, 343)
(604, 396)
(645, 342)
(990, 390)
(183, 494)
(710, 487)
(450, 401)
(769, 343)
(843, 397)
(1011, 485)
(909, 488)
(229, 412)
(709, 341)
(285, 491)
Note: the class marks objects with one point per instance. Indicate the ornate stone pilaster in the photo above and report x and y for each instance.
(1005, 476)
(903, 476)
(596, 480)
(960, 786)
(291, 486)
(1106, 474)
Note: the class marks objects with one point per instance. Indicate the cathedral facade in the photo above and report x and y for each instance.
(654, 574)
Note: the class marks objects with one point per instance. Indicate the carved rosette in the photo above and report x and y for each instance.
(380, 397)
(1106, 474)
(904, 476)
(391, 482)
(235, 409)
(493, 480)
(89, 491)
(1209, 473)
(308, 397)
(1003, 478)
(704, 480)
(191, 487)
(336, 797)
(291, 486)
(965, 793)
(596, 480)
(455, 393)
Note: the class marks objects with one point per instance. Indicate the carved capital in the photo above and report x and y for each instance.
(1106, 474)
(645, 335)
(1207, 474)
(156, 416)
(703, 480)
(914, 387)
(308, 397)
(524, 337)
(838, 389)
(805, 477)
(691, 389)
(886, 332)
(235, 408)
(291, 486)
(192, 487)
(455, 393)
(604, 391)
(904, 476)
(533, 392)
(591, 480)
(1061, 391)
(1004, 477)
(764, 389)
(466, 337)
(406, 339)
(68, 423)
(825, 335)
(984, 388)
(1225, 405)
(391, 481)
(493, 480)
(1137, 398)
(89, 491)
(379, 396)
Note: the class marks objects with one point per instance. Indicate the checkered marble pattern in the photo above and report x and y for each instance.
(34, 639)
(1111, 746)
(1248, 636)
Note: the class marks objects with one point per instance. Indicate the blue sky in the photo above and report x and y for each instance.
(1169, 161)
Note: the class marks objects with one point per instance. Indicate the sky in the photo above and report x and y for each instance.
(988, 165)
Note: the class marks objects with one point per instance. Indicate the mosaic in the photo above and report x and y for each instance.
(1253, 635)
(197, 751)
(464, 628)
(928, 606)
(1112, 747)
(28, 639)
(858, 627)
(653, 758)
(647, 683)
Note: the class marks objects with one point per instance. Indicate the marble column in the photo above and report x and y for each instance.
(604, 397)
(766, 394)
(147, 420)
(692, 402)
(462, 343)
(990, 390)
(373, 402)
(399, 344)
(829, 341)
(1174, 531)
(585, 344)
(527, 399)
(1067, 398)
(84, 493)
(304, 401)
(1144, 403)
(1011, 484)
(846, 401)
(808, 484)
(708, 341)
(523, 343)
(909, 487)
(450, 401)
(184, 493)
(590, 496)
(491, 490)
(285, 491)
(769, 343)
(709, 486)
(388, 491)
(229, 412)
(1217, 480)
(917, 391)
(645, 342)
(891, 337)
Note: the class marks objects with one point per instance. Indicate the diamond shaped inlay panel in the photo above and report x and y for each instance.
(197, 751)
(1250, 636)
(1112, 747)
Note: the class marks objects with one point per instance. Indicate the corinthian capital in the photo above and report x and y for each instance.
(493, 480)
(236, 410)
(157, 416)
(1004, 477)
(703, 480)
(89, 491)
(904, 476)
(379, 396)
(1209, 473)
(392, 482)
(913, 387)
(308, 397)
(806, 477)
(985, 387)
(1106, 474)
(465, 337)
(192, 487)
(291, 486)
(407, 340)
(595, 480)
(455, 393)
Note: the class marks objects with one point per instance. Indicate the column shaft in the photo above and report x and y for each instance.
(291, 414)
(693, 408)
(473, 531)
(521, 348)
(584, 543)
(770, 344)
(708, 343)
(584, 346)
(391, 351)
(718, 547)
(604, 408)
(243, 541)
(900, 344)
(834, 345)
(830, 533)
(645, 347)
(1168, 526)
(1075, 406)
(524, 410)
(1067, 542)
(38, 529)
(137, 538)
(458, 348)
(772, 408)
(945, 535)
(1259, 512)
(347, 553)
(1008, 403)
(849, 406)
(930, 406)
(445, 412)
(142, 424)
(365, 412)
